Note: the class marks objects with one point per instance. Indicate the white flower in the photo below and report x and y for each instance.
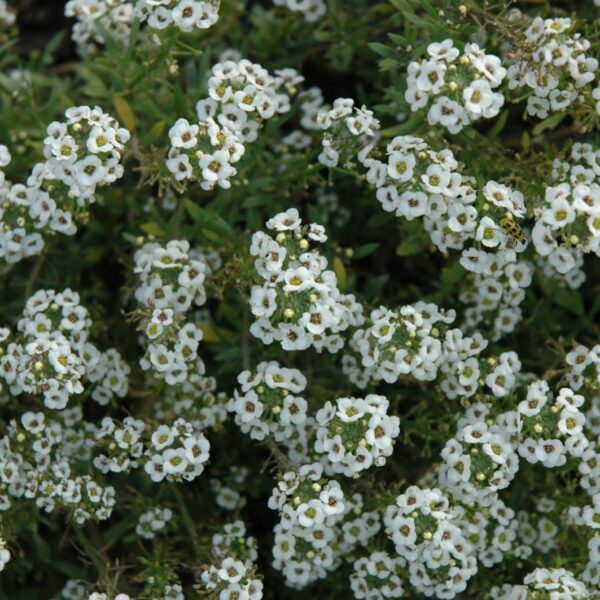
(162, 437)
(401, 166)
(478, 97)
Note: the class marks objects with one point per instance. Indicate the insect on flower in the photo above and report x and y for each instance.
(512, 229)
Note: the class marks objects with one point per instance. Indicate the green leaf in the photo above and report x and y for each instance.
(387, 64)
(254, 201)
(210, 223)
(365, 250)
(452, 274)
(549, 123)
(429, 9)
(153, 229)
(402, 5)
(340, 271)
(125, 112)
(411, 245)
(51, 47)
(382, 50)
(374, 285)
(155, 132)
(568, 299)
(495, 131)
(403, 128)
(398, 39)
(315, 215)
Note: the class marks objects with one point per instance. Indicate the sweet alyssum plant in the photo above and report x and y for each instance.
(300, 299)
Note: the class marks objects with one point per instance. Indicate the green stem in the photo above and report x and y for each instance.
(33, 276)
(98, 561)
(245, 337)
(186, 518)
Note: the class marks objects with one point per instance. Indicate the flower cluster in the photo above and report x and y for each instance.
(551, 429)
(171, 280)
(81, 154)
(416, 181)
(376, 576)
(24, 214)
(553, 64)
(552, 583)
(311, 10)
(110, 374)
(494, 532)
(583, 369)
(457, 89)
(332, 526)
(119, 446)
(35, 464)
(7, 20)
(267, 404)
(153, 521)
(94, 17)
(49, 352)
(309, 507)
(299, 303)
(196, 397)
(398, 342)
(496, 291)
(347, 131)
(588, 517)
(589, 467)
(176, 452)
(498, 228)
(241, 95)
(478, 461)
(465, 372)
(355, 434)
(233, 573)
(422, 527)
(568, 217)
(186, 15)
(304, 499)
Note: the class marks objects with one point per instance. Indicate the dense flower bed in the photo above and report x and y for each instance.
(300, 299)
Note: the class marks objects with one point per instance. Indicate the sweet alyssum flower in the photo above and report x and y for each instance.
(355, 433)
(551, 428)
(456, 88)
(241, 96)
(298, 303)
(478, 462)
(397, 343)
(568, 216)
(311, 10)
(420, 524)
(268, 403)
(81, 155)
(186, 15)
(233, 573)
(50, 353)
(551, 64)
(171, 282)
(96, 16)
